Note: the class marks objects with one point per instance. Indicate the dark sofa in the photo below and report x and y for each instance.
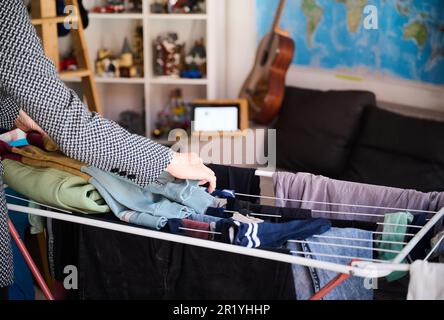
(344, 135)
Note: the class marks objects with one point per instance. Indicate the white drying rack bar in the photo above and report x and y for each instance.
(358, 268)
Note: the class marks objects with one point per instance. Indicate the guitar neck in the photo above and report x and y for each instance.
(278, 16)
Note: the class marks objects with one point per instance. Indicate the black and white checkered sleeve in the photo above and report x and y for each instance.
(8, 111)
(31, 80)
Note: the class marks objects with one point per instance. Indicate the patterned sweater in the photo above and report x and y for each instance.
(29, 80)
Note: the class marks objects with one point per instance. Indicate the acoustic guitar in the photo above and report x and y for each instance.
(265, 86)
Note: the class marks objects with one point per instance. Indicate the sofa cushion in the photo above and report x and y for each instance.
(375, 166)
(399, 151)
(316, 129)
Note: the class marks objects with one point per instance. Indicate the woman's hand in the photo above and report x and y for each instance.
(190, 166)
(25, 123)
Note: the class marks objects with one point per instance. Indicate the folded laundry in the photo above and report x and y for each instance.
(13, 135)
(53, 187)
(253, 235)
(330, 248)
(39, 158)
(153, 205)
(41, 141)
(19, 143)
(186, 192)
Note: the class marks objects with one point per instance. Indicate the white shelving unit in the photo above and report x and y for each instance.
(151, 93)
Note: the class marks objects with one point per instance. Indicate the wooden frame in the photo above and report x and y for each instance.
(243, 116)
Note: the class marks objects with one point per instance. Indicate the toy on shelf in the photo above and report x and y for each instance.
(134, 6)
(178, 6)
(138, 50)
(69, 63)
(175, 114)
(168, 55)
(119, 6)
(127, 69)
(107, 65)
(196, 61)
(124, 66)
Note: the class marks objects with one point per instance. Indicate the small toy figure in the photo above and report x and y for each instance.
(112, 6)
(186, 6)
(196, 61)
(134, 6)
(168, 55)
(126, 62)
(178, 6)
(107, 65)
(69, 63)
(125, 66)
(175, 114)
(158, 7)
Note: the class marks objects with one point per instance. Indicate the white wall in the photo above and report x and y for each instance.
(241, 40)
(241, 49)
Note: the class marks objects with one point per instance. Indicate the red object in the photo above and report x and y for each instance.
(31, 264)
(112, 8)
(336, 281)
(69, 63)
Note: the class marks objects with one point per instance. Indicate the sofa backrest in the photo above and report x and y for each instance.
(398, 151)
(343, 135)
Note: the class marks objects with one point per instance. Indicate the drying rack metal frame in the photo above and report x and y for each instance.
(356, 268)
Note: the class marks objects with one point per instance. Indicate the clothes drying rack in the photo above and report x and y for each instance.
(359, 267)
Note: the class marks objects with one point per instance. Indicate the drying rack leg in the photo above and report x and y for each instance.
(336, 281)
(31, 264)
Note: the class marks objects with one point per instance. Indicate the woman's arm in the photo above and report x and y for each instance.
(30, 79)
(8, 111)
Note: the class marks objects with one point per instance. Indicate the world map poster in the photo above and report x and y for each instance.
(408, 42)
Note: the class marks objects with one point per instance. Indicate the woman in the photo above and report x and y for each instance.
(29, 80)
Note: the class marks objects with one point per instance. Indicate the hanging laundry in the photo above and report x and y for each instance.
(308, 187)
(243, 180)
(439, 237)
(281, 214)
(53, 187)
(175, 225)
(395, 228)
(253, 235)
(330, 248)
(426, 281)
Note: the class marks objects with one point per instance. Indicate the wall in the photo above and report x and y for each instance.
(241, 48)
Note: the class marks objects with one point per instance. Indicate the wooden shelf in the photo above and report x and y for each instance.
(188, 16)
(59, 19)
(178, 81)
(120, 80)
(110, 80)
(74, 74)
(126, 16)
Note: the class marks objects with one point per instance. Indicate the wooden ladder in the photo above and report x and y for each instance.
(45, 19)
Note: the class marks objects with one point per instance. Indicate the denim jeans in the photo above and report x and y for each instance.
(309, 281)
(153, 205)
